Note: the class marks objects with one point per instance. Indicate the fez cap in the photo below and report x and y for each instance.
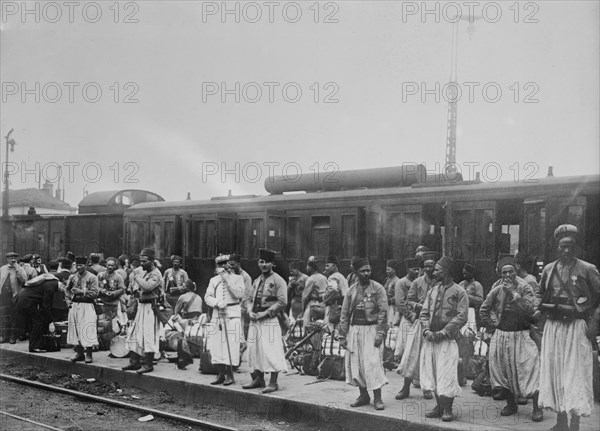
(148, 252)
(505, 260)
(266, 255)
(12, 254)
(470, 268)
(71, 256)
(394, 264)
(565, 230)
(413, 263)
(430, 255)
(80, 260)
(446, 262)
(333, 259)
(36, 256)
(222, 258)
(360, 262)
(235, 257)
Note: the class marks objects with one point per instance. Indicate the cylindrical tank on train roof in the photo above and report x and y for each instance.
(396, 176)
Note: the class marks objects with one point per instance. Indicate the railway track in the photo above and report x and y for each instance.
(203, 424)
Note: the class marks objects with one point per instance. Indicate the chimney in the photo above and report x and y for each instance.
(550, 171)
(189, 196)
(478, 177)
(58, 193)
(47, 187)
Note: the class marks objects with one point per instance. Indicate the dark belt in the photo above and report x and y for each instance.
(192, 314)
(83, 300)
(147, 301)
(232, 304)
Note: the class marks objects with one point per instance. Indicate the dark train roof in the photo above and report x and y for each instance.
(115, 201)
(418, 193)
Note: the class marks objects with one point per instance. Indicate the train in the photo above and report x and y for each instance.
(382, 213)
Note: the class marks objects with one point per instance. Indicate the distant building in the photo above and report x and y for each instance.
(37, 201)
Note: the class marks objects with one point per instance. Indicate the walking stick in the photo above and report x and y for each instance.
(228, 348)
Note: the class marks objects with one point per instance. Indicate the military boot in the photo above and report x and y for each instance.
(405, 391)
(134, 362)
(437, 411)
(511, 405)
(377, 402)
(447, 415)
(538, 413)
(228, 376)
(78, 354)
(220, 374)
(88, 355)
(363, 399)
(147, 365)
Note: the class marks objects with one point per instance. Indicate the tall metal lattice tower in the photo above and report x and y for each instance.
(453, 96)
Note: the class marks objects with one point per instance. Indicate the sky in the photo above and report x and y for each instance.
(211, 97)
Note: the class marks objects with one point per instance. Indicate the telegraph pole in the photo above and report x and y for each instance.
(9, 141)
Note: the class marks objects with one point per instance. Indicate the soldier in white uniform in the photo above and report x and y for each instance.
(225, 329)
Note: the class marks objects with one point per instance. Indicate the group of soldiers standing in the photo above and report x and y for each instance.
(429, 310)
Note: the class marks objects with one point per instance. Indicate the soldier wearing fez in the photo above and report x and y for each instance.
(143, 337)
(265, 346)
(224, 331)
(568, 297)
(444, 313)
(82, 328)
(363, 325)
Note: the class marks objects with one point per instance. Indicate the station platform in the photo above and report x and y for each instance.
(325, 404)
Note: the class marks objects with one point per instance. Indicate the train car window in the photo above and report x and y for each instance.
(56, 243)
(155, 237)
(197, 238)
(462, 241)
(484, 223)
(136, 237)
(274, 232)
(575, 215)
(348, 236)
(373, 234)
(211, 237)
(167, 245)
(257, 237)
(243, 237)
(225, 233)
(508, 242)
(320, 236)
(293, 239)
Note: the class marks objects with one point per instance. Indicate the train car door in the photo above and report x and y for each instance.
(374, 216)
(404, 229)
(472, 238)
(274, 230)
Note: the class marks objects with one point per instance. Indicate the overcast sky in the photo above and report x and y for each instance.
(528, 74)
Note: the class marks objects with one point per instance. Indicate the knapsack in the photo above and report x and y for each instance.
(333, 359)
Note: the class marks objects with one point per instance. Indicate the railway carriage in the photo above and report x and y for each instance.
(471, 221)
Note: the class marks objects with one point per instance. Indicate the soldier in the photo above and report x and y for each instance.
(234, 263)
(224, 331)
(111, 288)
(390, 285)
(569, 295)
(95, 267)
(143, 337)
(514, 359)
(475, 291)
(444, 312)
(410, 363)
(34, 304)
(82, 329)
(295, 288)
(175, 279)
(12, 279)
(314, 290)
(407, 316)
(189, 304)
(363, 324)
(337, 287)
(265, 344)
(26, 265)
